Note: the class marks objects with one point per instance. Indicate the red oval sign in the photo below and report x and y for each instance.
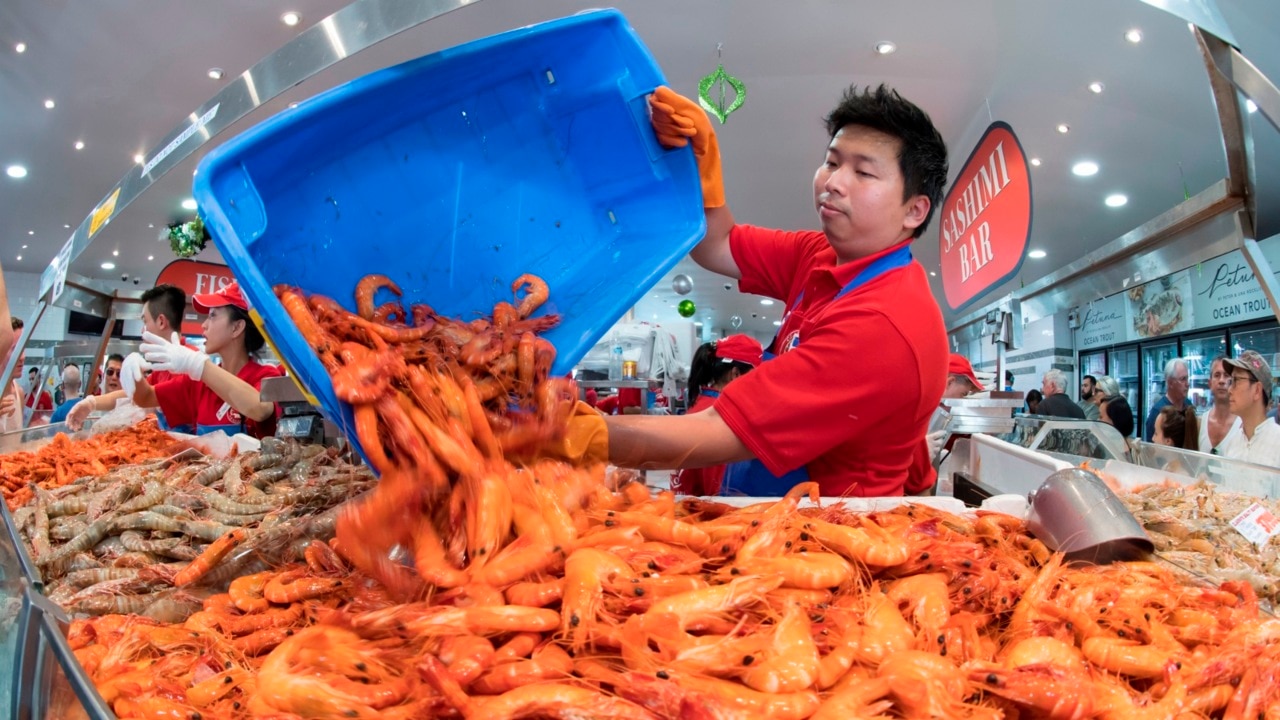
(194, 278)
(986, 218)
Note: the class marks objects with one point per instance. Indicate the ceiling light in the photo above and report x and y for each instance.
(31, 232)
(885, 47)
(19, 258)
(20, 48)
(16, 171)
(151, 257)
(66, 226)
(1133, 36)
(1251, 106)
(79, 145)
(190, 204)
(1035, 162)
(777, 323)
(1036, 254)
(1085, 168)
(291, 18)
(933, 273)
(49, 104)
(115, 253)
(108, 266)
(215, 73)
(138, 158)
(766, 301)
(1096, 87)
(24, 247)
(293, 105)
(1116, 200)
(1064, 128)
(151, 225)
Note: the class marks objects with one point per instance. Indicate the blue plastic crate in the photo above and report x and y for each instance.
(453, 174)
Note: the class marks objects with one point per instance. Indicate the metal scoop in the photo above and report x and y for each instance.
(1075, 513)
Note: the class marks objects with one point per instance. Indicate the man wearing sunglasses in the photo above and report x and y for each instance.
(1249, 396)
(111, 382)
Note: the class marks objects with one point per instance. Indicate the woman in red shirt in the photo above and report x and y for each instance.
(714, 366)
(198, 392)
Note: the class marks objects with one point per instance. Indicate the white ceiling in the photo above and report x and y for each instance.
(124, 74)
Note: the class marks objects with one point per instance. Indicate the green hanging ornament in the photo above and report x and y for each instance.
(188, 239)
(686, 308)
(716, 104)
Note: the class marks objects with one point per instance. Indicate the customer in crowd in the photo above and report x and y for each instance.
(1088, 388)
(111, 374)
(1116, 412)
(1107, 387)
(1056, 403)
(71, 389)
(11, 403)
(1177, 379)
(1250, 394)
(1219, 425)
(39, 402)
(1177, 428)
(1008, 381)
(108, 397)
(715, 365)
(1034, 397)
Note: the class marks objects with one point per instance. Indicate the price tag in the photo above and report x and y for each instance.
(1256, 524)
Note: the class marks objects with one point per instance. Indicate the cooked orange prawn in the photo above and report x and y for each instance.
(789, 662)
(211, 556)
(536, 293)
(557, 700)
(367, 288)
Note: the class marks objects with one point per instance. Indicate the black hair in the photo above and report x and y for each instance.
(923, 156)
(1008, 377)
(1090, 378)
(15, 322)
(167, 300)
(1034, 395)
(1180, 426)
(707, 370)
(115, 356)
(253, 340)
(1120, 414)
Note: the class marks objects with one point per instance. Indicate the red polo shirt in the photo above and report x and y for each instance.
(699, 481)
(853, 399)
(190, 402)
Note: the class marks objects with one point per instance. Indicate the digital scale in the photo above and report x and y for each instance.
(299, 419)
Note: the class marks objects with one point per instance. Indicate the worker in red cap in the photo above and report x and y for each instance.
(714, 366)
(199, 392)
(961, 382)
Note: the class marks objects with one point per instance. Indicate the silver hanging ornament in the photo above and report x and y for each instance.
(735, 322)
(682, 284)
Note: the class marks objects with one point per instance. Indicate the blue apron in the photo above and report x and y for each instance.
(751, 477)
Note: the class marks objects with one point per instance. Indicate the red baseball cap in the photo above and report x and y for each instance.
(740, 348)
(229, 295)
(959, 365)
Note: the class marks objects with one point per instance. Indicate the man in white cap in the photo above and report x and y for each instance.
(1250, 394)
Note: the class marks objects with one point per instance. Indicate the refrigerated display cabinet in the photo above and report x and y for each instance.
(1154, 357)
(1199, 352)
(1123, 366)
(1232, 475)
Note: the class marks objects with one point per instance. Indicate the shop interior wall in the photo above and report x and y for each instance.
(1047, 343)
(23, 292)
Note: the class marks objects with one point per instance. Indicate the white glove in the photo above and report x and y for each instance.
(131, 373)
(936, 440)
(79, 413)
(172, 355)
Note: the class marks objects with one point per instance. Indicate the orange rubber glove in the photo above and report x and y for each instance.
(676, 119)
(586, 440)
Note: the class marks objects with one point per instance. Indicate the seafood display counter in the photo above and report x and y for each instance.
(1084, 438)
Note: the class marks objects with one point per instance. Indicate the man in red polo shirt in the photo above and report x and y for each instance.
(862, 352)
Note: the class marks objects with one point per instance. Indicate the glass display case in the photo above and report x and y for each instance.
(1079, 438)
(1232, 475)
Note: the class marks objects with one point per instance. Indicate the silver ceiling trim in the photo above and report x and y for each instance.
(354, 28)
